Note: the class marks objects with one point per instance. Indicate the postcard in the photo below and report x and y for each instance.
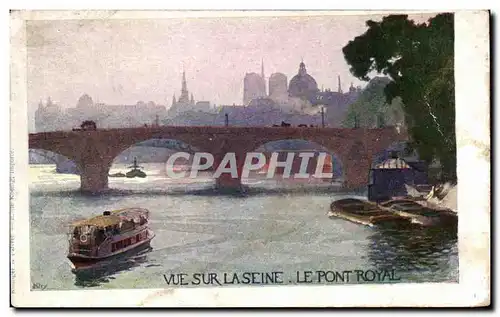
(250, 158)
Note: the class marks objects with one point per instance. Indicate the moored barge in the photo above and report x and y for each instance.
(363, 212)
(420, 214)
(394, 212)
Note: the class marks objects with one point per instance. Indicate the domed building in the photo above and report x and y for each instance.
(302, 85)
(84, 102)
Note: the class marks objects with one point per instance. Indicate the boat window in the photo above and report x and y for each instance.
(127, 225)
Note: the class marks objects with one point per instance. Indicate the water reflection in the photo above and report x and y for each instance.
(103, 272)
(415, 249)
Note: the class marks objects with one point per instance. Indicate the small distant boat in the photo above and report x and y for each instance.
(364, 212)
(119, 174)
(103, 237)
(135, 172)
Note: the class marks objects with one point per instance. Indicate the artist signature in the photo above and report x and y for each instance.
(38, 286)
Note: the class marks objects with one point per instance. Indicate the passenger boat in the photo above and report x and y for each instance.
(364, 212)
(107, 236)
(420, 214)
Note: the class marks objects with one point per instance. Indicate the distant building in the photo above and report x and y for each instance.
(49, 117)
(254, 86)
(262, 112)
(85, 102)
(301, 95)
(303, 85)
(263, 103)
(278, 87)
(203, 106)
(335, 103)
(184, 103)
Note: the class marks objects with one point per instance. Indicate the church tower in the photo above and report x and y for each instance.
(184, 98)
(340, 86)
(185, 101)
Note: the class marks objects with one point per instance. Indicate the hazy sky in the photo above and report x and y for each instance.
(124, 61)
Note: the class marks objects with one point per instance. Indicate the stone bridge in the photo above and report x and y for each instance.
(94, 151)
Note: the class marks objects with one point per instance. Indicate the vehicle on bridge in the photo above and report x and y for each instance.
(87, 125)
(107, 236)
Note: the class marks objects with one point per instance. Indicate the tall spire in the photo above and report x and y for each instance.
(184, 85)
(184, 97)
(302, 68)
(340, 86)
(173, 100)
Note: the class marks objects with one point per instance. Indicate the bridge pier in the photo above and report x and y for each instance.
(94, 178)
(226, 182)
(356, 172)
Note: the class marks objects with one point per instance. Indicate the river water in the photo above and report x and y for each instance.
(198, 231)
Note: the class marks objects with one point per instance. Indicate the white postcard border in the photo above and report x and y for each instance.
(473, 162)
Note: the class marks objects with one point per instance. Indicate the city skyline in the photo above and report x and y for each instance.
(69, 58)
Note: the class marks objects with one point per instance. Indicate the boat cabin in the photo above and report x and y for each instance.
(389, 178)
(88, 235)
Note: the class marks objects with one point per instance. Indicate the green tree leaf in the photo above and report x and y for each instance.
(417, 58)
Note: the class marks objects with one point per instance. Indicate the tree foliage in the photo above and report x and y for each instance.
(371, 109)
(418, 58)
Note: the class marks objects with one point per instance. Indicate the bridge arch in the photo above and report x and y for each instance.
(155, 151)
(332, 164)
(50, 169)
(64, 165)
